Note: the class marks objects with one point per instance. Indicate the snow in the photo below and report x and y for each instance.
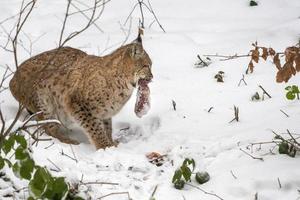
(192, 27)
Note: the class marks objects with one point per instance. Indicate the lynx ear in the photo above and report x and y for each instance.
(138, 40)
(139, 37)
(136, 51)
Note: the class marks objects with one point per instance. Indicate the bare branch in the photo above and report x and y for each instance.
(20, 24)
(80, 11)
(205, 192)
(64, 23)
(116, 193)
(257, 158)
(264, 91)
(92, 19)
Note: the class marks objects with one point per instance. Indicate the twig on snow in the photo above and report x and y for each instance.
(257, 158)
(233, 174)
(264, 91)
(284, 113)
(242, 79)
(154, 191)
(116, 193)
(174, 105)
(279, 183)
(236, 114)
(64, 154)
(58, 169)
(210, 109)
(99, 183)
(205, 192)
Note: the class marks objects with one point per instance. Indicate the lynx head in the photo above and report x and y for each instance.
(140, 61)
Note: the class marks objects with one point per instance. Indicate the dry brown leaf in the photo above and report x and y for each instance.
(276, 61)
(297, 61)
(250, 66)
(265, 53)
(290, 53)
(153, 155)
(255, 55)
(285, 73)
(272, 52)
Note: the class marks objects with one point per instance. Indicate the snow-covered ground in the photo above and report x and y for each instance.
(192, 27)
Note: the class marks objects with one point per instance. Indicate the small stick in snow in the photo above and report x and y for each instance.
(73, 153)
(210, 109)
(256, 196)
(202, 61)
(264, 91)
(64, 154)
(99, 183)
(284, 113)
(233, 174)
(257, 158)
(278, 180)
(295, 141)
(236, 114)
(205, 192)
(242, 79)
(174, 105)
(115, 193)
(47, 147)
(58, 169)
(154, 191)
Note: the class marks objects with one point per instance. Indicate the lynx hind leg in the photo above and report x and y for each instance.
(108, 128)
(48, 112)
(94, 128)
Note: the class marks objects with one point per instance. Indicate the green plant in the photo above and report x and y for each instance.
(292, 92)
(184, 173)
(202, 177)
(253, 3)
(287, 146)
(220, 76)
(42, 185)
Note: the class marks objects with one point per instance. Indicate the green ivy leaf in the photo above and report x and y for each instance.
(21, 153)
(1, 162)
(188, 161)
(8, 144)
(179, 184)
(37, 185)
(253, 3)
(186, 172)
(60, 188)
(290, 96)
(283, 148)
(26, 168)
(288, 88)
(21, 140)
(30, 198)
(177, 176)
(295, 89)
(16, 169)
(8, 162)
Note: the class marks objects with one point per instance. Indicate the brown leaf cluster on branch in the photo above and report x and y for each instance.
(258, 52)
(291, 66)
(285, 72)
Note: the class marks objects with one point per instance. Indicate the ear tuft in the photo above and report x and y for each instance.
(139, 38)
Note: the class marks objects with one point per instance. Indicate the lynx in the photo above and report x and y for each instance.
(69, 85)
